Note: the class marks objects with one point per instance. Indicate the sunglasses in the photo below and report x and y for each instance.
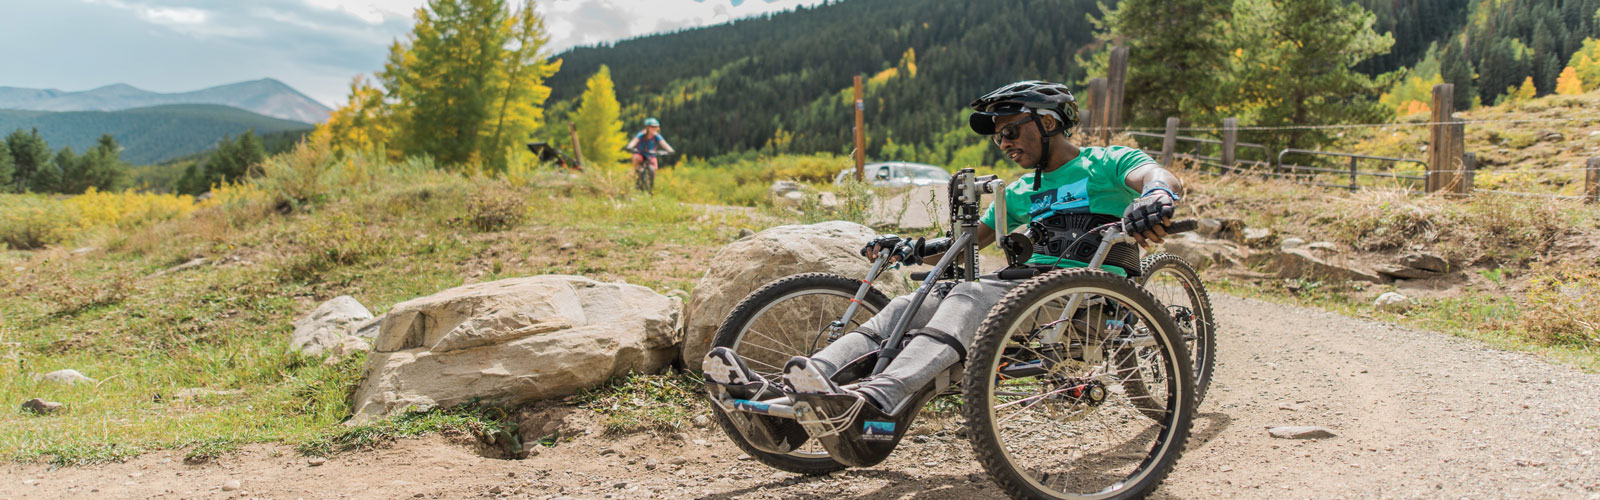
(1011, 131)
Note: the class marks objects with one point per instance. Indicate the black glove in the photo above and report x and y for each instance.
(1147, 213)
(886, 242)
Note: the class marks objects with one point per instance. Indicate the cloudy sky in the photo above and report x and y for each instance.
(316, 46)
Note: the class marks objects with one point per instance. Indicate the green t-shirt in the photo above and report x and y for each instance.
(1094, 182)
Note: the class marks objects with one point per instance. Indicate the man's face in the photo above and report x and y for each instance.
(1024, 149)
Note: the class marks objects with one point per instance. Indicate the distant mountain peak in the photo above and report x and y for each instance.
(266, 96)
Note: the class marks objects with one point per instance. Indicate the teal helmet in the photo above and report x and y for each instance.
(651, 122)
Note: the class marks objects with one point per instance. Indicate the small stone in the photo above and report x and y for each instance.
(701, 421)
(745, 456)
(1323, 246)
(607, 451)
(743, 233)
(419, 495)
(1288, 406)
(1293, 243)
(620, 485)
(30, 482)
(1300, 432)
(230, 485)
(316, 461)
(567, 246)
(1393, 302)
(678, 461)
(41, 406)
(701, 442)
(496, 490)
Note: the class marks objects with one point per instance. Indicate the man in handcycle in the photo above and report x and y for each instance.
(1071, 191)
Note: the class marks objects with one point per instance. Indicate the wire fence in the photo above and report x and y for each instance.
(1211, 157)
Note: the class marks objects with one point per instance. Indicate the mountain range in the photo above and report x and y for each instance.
(266, 96)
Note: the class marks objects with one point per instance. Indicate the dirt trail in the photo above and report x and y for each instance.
(1417, 415)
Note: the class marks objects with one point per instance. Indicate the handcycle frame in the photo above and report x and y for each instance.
(966, 190)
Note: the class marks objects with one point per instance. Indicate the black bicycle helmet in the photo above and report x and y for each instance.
(1022, 97)
(1031, 96)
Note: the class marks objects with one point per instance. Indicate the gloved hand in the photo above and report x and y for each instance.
(1147, 217)
(880, 244)
(924, 248)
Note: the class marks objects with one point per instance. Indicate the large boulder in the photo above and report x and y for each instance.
(747, 264)
(515, 340)
(326, 326)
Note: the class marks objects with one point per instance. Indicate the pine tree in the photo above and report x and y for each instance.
(7, 167)
(599, 121)
(1177, 61)
(29, 154)
(104, 169)
(1569, 83)
(1297, 62)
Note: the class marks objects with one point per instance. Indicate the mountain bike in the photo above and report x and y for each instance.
(645, 173)
(1078, 384)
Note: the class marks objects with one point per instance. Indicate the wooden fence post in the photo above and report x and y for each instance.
(1468, 173)
(1169, 142)
(1097, 110)
(1230, 141)
(861, 133)
(1591, 185)
(1116, 84)
(576, 151)
(1440, 162)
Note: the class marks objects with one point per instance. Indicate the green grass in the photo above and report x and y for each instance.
(488, 424)
(225, 325)
(636, 403)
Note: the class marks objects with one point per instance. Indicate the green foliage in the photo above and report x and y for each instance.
(30, 155)
(637, 402)
(7, 167)
(600, 132)
(1586, 64)
(485, 422)
(466, 83)
(1178, 58)
(495, 210)
(231, 161)
(1295, 66)
(29, 221)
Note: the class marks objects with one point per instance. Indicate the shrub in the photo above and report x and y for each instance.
(1562, 306)
(495, 209)
(30, 221)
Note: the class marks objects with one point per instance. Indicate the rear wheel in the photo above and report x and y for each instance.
(793, 316)
(1048, 402)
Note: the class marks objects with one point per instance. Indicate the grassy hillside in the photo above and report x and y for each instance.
(148, 135)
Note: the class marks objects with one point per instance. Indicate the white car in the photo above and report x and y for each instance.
(897, 174)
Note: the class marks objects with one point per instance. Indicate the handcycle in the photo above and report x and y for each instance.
(1079, 382)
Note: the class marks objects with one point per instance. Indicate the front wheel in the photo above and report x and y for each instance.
(793, 316)
(1048, 401)
(1177, 287)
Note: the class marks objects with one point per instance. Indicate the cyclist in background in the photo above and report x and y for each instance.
(647, 144)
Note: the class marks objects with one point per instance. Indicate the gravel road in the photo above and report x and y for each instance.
(1416, 415)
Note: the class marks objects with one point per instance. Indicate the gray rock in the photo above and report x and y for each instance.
(1300, 432)
(1299, 263)
(42, 407)
(1403, 272)
(745, 265)
(1425, 261)
(780, 188)
(1258, 237)
(191, 264)
(1202, 252)
(1292, 243)
(677, 460)
(1209, 227)
(368, 329)
(701, 421)
(1323, 246)
(231, 485)
(746, 233)
(514, 341)
(1392, 302)
(67, 376)
(316, 461)
(325, 326)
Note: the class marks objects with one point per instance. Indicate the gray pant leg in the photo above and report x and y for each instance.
(857, 344)
(959, 315)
